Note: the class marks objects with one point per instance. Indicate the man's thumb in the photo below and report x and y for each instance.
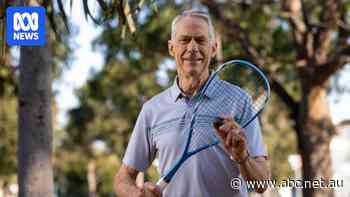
(153, 188)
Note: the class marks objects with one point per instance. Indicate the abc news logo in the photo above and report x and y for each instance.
(32, 25)
(25, 26)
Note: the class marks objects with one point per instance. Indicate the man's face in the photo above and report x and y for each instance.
(191, 46)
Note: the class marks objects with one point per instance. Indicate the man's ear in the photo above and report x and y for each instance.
(171, 48)
(214, 48)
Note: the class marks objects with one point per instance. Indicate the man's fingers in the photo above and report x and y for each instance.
(241, 133)
(149, 186)
(231, 134)
(236, 140)
(228, 140)
(226, 121)
(231, 123)
(222, 131)
(239, 141)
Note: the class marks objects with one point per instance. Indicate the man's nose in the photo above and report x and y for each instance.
(193, 46)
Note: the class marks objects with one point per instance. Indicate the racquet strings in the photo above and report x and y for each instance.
(248, 80)
(203, 135)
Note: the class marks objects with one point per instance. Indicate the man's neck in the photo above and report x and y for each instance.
(190, 85)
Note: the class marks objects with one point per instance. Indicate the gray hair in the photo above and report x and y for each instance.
(196, 13)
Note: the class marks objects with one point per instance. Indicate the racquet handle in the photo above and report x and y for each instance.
(218, 122)
(161, 185)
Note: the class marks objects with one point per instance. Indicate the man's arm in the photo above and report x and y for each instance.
(125, 184)
(235, 142)
(256, 168)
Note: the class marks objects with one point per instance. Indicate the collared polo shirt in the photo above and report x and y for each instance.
(160, 131)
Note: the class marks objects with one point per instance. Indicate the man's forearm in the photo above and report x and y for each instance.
(125, 186)
(255, 169)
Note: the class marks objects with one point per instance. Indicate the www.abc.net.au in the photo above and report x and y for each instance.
(236, 183)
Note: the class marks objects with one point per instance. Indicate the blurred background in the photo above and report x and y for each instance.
(109, 57)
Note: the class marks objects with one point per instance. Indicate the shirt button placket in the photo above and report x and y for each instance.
(189, 109)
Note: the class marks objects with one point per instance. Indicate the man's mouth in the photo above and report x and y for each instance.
(195, 60)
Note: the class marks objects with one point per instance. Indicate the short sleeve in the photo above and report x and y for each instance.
(256, 146)
(140, 153)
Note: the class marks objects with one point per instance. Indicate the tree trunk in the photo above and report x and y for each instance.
(315, 132)
(91, 177)
(34, 152)
(35, 175)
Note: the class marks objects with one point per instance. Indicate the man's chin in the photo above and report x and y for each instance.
(191, 73)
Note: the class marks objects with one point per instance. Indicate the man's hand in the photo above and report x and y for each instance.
(235, 142)
(151, 190)
(124, 184)
(233, 138)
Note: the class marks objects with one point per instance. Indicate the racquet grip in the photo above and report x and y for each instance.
(218, 122)
(161, 185)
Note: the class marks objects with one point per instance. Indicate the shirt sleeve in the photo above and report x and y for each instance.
(256, 146)
(140, 152)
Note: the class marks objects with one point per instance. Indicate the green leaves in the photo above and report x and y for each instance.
(8, 128)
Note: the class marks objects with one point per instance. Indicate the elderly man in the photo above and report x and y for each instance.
(158, 130)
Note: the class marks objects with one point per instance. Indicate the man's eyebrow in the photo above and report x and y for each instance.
(196, 37)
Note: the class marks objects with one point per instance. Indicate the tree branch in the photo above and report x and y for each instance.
(338, 61)
(295, 14)
(236, 31)
(343, 28)
(305, 15)
(328, 24)
(342, 125)
(283, 94)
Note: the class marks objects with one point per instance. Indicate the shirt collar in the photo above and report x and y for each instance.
(176, 92)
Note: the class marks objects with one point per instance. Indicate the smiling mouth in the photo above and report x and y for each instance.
(193, 60)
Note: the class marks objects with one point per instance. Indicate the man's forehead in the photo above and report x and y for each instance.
(192, 26)
(192, 20)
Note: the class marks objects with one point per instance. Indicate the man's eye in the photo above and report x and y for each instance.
(184, 40)
(201, 41)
